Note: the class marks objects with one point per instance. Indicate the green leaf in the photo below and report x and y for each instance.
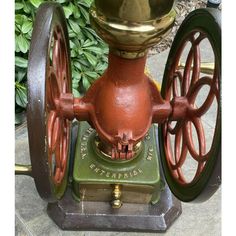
(96, 50)
(72, 44)
(86, 4)
(76, 92)
(88, 34)
(26, 27)
(91, 58)
(80, 51)
(91, 31)
(23, 43)
(76, 13)
(17, 49)
(87, 43)
(21, 96)
(27, 7)
(18, 6)
(21, 62)
(19, 19)
(29, 34)
(76, 76)
(17, 28)
(105, 58)
(101, 67)
(73, 53)
(86, 83)
(77, 65)
(20, 75)
(84, 62)
(85, 13)
(74, 26)
(36, 3)
(61, 1)
(68, 11)
(91, 74)
(72, 34)
(81, 22)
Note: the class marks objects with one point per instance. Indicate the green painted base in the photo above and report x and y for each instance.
(94, 174)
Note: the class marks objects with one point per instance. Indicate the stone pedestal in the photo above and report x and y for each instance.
(71, 215)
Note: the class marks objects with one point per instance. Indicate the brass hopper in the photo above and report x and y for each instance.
(130, 27)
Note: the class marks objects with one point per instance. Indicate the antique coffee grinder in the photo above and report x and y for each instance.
(100, 161)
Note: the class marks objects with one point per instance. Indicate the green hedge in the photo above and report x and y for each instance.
(88, 51)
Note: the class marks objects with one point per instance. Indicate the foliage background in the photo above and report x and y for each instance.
(88, 51)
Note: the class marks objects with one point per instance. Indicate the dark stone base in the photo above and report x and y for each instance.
(71, 215)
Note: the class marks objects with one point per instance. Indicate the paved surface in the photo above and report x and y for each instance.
(31, 217)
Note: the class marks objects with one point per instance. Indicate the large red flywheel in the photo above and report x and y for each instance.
(190, 140)
(49, 78)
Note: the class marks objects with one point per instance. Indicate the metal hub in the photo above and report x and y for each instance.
(109, 152)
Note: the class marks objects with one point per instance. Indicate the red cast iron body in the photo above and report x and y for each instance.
(121, 105)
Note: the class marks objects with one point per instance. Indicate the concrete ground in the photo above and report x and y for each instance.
(30, 210)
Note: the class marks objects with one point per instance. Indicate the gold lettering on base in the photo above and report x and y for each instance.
(90, 130)
(92, 166)
(83, 155)
(126, 176)
(84, 142)
(115, 175)
(140, 171)
(147, 136)
(119, 175)
(150, 152)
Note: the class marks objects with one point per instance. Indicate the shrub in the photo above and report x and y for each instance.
(88, 51)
